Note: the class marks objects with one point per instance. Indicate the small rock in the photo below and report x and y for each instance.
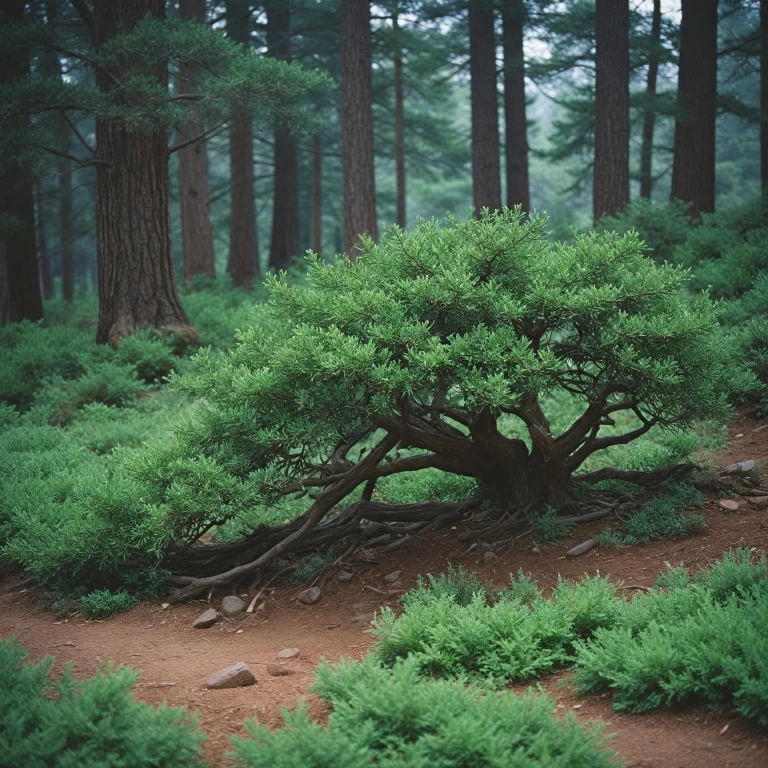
(288, 653)
(310, 596)
(759, 502)
(280, 670)
(344, 576)
(232, 606)
(207, 619)
(391, 578)
(583, 548)
(729, 505)
(236, 676)
(165, 606)
(490, 557)
(364, 618)
(741, 467)
(535, 550)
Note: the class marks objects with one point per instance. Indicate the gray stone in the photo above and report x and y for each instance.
(364, 618)
(344, 576)
(490, 557)
(281, 670)
(236, 676)
(288, 653)
(759, 502)
(310, 596)
(391, 578)
(729, 505)
(232, 606)
(740, 468)
(583, 548)
(316, 563)
(207, 619)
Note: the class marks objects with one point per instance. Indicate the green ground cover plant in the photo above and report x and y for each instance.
(63, 723)
(393, 717)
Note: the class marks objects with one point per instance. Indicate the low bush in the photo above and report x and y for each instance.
(395, 719)
(94, 723)
(103, 603)
(702, 639)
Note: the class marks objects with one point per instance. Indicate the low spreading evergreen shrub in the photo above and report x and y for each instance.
(395, 719)
(95, 723)
(103, 603)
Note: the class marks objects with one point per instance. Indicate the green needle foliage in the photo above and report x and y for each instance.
(63, 724)
(394, 719)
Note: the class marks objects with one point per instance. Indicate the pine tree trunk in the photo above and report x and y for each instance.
(693, 170)
(486, 163)
(357, 124)
(46, 280)
(243, 261)
(137, 285)
(649, 120)
(611, 172)
(764, 97)
(51, 63)
(399, 123)
(66, 227)
(196, 233)
(317, 194)
(17, 200)
(518, 188)
(285, 209)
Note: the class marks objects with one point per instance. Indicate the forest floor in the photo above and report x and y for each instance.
(176, 659)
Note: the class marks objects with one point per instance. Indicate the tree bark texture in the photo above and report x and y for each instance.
(46, 279)
(285, 243)
(611, 170)
(518, 187)
(764, 97)
(17, 200)
(243, 261)
(194, 196)
(649, 119)
(357, 124)
(693, 170)
(486, 163)
(399, 123)
(137, 285)
(317, 194)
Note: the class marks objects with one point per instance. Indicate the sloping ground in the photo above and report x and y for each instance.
(175, 659)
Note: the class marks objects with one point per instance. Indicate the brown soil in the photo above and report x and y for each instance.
(175, 659)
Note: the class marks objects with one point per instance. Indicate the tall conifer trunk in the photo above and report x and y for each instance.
(518, 188)
(17, 199)
(284, 244)
(317, 194)
(357, 124)
(764, 97)
(46, 279)
(486, 162)
(194, 196)
(137, 285)
(649, 119)
(243, 261)
(399, 122)
(693, 170)
(611, 172)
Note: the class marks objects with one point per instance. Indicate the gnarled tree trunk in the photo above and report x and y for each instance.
(137, 285)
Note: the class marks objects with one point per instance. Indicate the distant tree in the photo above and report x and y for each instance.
(764, 97)
(486, 168)
(284, 244)
(400, 206)
(194, 195)
(357, 124)
(611, 170)
(243, 260)
(649, 118)
(693, 172)
(17, 204)
(513, 13)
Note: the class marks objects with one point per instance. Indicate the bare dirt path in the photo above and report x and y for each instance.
(175, 659)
